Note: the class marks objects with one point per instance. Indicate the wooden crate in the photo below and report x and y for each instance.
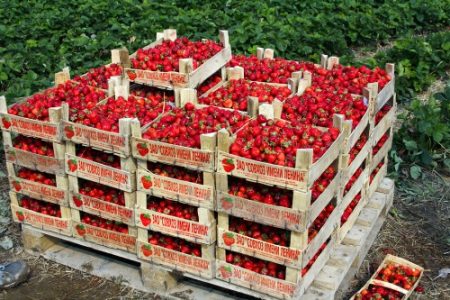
(297, 255)
(108, 238)
(203, 231)
(117, 143)
(179, 190)
(61, 225)
(187, 76)
(45, 130)
(382, 96)
(101, 208)
(383, 151)
(196, 159)
(291, 288)
(396, 260)
(299, 178)
(296, 218)
(200, 266)
(55, 194)
(123, 179)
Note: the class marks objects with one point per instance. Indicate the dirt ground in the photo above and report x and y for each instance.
(418, 229)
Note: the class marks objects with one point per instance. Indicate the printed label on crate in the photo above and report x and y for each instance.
(175, 259)
(173, 225)
(35, 128)
(34, 161)
(40, 220)
(259, 212)
(254, 281)
(242, 243)
(38, 190)
(97, 172)
(104, 236)
(263, 172)
(175, 189)
(93, 137)
(173, 154)
(157, 77)
(102, 208)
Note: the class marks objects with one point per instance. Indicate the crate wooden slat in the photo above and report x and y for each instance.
(61, 225)
(203, 231)
(299, 178)
(385, 124)
(200, 266)
(378, 177)
(55, 194)
(297, 218)
(291, 288)
(186, 77)
(105, 237)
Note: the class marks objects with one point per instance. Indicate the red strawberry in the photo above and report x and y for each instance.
(68, 130)
(142, 149)
(17, 186)
(132, 75)
(228, 238)
(225, 272)
(145, 219)
(227, 203)
(81, 230)
(77, 200)
(6, 123)
(228, 165)
(72, 163)
(146, 182)
(146, 250)
(20, 216)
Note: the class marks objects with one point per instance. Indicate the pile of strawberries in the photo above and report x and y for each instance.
(277, 141)
(256, 265)
(34, 145)
(258, 231)
(153, 95)
(349, 209)
(356, 149)
(277, 70)
(259, 192)
(173, 243)
(173, 208)
(175, 172)
(375, 292)
(79, 96)
(165, 57)
(102, 192)
(183, 126)
(381, 113)
(100, 157)
(380, 143)
(37, 176)
(209, 83)
(39, 206)
(103, 223)
(402, 276)
(106, 116)
(318, 223)
(98, 77)
(236, 93)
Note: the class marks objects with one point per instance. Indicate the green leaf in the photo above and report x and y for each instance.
(415, 172)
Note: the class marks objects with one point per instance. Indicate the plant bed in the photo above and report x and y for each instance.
(102, 231)
(177, 183)
(281, 246)
(191, 65)
(395, 278)
(102, 200)
(40, 214)
(38, 185)
(35, 154)
(176, 254)
(288, 283)
(296, 167)
(190, 145)
(269, 205)
(191, 223)
(101, 167)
